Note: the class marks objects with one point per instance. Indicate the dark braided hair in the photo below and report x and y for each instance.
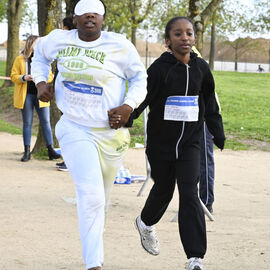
(172, 21)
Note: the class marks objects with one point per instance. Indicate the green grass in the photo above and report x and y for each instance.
(2, 68)
(2, 71)
(245, 104)
(6, 100)
(8, 91)
(9, 128)
(244, 99)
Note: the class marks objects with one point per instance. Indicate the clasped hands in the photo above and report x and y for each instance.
(119, 116)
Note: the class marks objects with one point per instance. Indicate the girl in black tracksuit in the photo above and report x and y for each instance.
(181, 95)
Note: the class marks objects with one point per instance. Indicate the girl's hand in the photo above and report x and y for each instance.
(28, 78)
(219, 142)
(119, 116)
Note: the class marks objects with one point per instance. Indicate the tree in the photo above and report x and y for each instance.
(49, 15)
(70, 5)
(230, 20)
(241, 45)
(126, 16)
(138, 14)
(14, 15)
(49, 18)
(163, 12)
(224, 22)
(117, 19)
(261, 21)
(213, 40)
(28, 18)
(198, 11)
(3, 9)
(200, 19)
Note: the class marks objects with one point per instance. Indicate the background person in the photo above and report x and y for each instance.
(25, 99)
(207, 163)
(207, 169)
(260, 69)
(207, 166)
(90, 87)
(181, 95)
(68, 24)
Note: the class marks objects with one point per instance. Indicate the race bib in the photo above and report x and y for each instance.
(182, 108)
(83, 95)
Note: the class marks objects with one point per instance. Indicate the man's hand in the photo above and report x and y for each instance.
(45, 91)
(119, 116)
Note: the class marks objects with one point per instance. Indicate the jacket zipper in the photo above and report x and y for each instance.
(183, 124)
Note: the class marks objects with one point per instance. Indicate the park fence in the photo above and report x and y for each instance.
(218, 65)
(225, 66)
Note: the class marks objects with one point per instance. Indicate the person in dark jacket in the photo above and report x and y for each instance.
(68, 24)
(181, 96)
(207, 169)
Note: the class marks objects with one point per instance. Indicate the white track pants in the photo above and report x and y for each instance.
(93, 157)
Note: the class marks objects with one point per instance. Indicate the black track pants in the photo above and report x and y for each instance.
(191, 219)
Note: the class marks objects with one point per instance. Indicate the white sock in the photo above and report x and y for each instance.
(146, 227)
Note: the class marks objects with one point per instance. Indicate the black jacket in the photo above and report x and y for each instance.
(170, 140)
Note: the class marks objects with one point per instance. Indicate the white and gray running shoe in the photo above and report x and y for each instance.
(149, 239)
(195, 264)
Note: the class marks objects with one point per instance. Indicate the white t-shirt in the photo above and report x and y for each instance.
(92, 75)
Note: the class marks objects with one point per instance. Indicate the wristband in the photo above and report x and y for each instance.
(23, 78)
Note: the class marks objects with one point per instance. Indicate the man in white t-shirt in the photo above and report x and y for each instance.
(90, 91)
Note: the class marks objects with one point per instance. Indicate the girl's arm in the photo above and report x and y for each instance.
(153, 81)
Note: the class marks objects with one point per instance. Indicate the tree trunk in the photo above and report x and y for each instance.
(200, 18)
(236, 59)
(213, 40)
(133, 35)
(138, 16)
(199, 41)
(41, 14)
(269, 60)
(70, 5)
(195, 16)
(14, 15)
(49, 18)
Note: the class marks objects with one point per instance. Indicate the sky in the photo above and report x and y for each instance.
(25, 29)
(4, 30)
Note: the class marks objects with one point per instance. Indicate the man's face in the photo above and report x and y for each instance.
(89, 26)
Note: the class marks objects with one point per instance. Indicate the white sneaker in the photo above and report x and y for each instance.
(149, 239)
(195, 264)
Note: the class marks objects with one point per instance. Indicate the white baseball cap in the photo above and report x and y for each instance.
(89, 6)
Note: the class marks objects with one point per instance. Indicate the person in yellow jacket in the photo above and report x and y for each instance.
(25, 99)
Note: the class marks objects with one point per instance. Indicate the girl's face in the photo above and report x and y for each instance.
(181, 37)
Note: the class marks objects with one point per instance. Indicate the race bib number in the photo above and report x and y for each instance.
(83, 95)
(182, 108)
